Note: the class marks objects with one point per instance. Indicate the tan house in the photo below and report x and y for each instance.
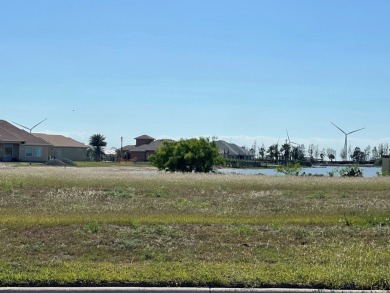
(19, 145)
(62, 147)
(145, 145)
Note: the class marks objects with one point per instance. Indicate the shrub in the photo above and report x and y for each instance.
(69, 162)
(187, 155)
(55, 162)
(291, 168)
(351, 171)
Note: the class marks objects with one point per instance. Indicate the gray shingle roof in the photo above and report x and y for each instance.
(232, 149)
(60, 140)
(148, 147)
(145, 137)
(12, 134)
(128, 147)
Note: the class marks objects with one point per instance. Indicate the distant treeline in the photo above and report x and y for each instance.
(235, 163)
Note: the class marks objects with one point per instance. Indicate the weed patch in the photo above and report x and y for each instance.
(121, 192)
(93, 227)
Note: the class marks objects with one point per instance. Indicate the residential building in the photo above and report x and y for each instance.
(62, 147)
(143, 139)
(145, 145)
(19, 145)
(233, 151)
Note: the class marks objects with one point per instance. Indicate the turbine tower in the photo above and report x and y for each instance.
(346, 136)
(31, 127)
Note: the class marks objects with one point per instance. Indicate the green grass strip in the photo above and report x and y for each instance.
(191, 273)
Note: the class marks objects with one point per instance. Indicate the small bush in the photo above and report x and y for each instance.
(64, 162)
(121, 192)
(55, 162)
(93, 227)
(69, 162)
(290, 169)
(351, 171)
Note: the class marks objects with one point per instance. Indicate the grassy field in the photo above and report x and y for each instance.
(126, 226)
(112, 164)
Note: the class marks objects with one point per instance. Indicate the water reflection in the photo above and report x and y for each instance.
(367, 171)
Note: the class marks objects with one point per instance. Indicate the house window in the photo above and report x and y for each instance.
(8, 150)
(29, 151)
(37, 152)
(33, 151)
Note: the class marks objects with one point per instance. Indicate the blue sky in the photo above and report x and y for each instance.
(238, 70)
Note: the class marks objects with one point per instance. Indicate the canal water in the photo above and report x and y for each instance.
(367, 171)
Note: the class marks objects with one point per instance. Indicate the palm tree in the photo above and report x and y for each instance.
(97, 141)
(286, 149)
(273, 152)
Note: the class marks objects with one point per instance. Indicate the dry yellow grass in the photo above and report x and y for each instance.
(137, 226)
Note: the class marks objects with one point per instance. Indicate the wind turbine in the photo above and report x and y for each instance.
(31, 127)
(346, 136)
(289, 141)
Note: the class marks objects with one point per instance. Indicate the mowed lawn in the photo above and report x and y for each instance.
(129, 226)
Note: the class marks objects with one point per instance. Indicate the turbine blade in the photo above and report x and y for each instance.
(339, 128)
(288, 136)
(38, 123)
(21, 125)
(355, 130)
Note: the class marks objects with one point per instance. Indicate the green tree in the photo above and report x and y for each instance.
(187, 155)
(262, 152)
(383, 149)
(295, 153)
(98, 142)
(310, 150)
(331, 153)
(358, 155)
(316, 151)
(367, 152)
(374, 153)
(301, 152)
(273, 152)
(286, 150)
